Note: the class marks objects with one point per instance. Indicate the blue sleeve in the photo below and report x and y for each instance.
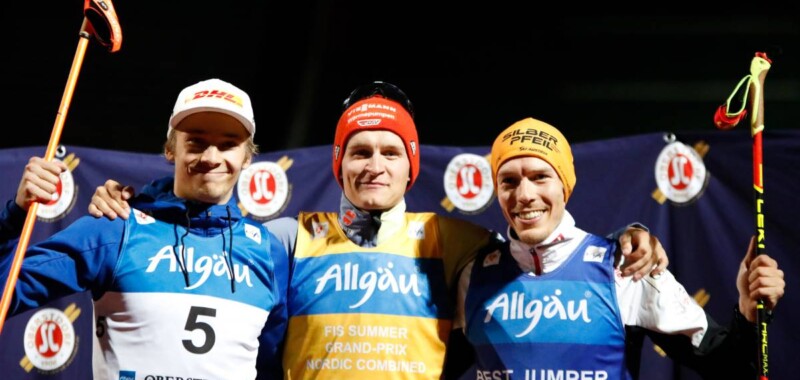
(12, 218)
(285, 229)
(78, 258)
(272, 337)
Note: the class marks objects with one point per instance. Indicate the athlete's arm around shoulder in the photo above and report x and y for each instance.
(461, 241)
(285, 230)
(272, 337)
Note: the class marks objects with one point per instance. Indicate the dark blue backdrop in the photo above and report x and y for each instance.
(705, 237)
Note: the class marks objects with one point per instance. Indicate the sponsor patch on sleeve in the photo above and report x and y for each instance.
(594, 253)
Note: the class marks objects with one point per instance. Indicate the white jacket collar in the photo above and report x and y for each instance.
(552, 251)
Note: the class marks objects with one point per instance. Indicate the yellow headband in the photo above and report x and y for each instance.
(533, 138)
